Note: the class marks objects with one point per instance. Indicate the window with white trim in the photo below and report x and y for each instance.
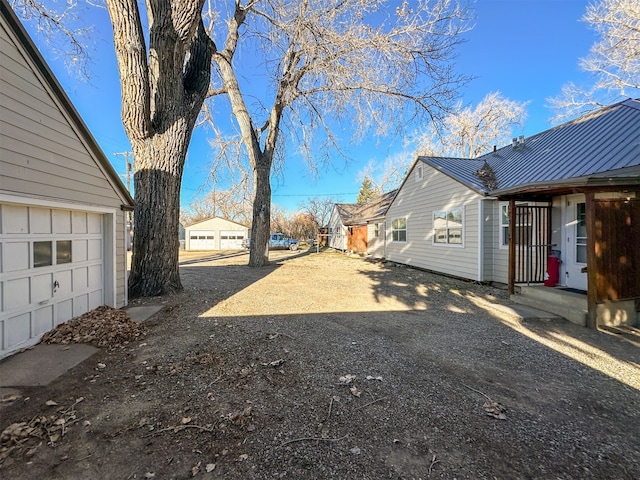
(448, 226)
(523, 222)
(399, 229)
(419, 172)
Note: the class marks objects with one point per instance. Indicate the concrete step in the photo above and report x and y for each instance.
(569, 305)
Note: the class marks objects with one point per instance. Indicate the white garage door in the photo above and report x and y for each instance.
(52, 270)
(231, 240)
(202, 240)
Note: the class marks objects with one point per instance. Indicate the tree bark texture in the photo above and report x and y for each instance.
(163, 89)
(261, 226)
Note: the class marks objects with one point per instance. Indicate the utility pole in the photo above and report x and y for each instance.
(129, 167)
(128, 171)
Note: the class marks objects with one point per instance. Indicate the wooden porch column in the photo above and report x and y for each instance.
(512, 247)
(592, 287)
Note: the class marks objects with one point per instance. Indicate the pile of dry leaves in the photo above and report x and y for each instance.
(103, 327)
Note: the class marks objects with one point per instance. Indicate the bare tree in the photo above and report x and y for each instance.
(228, 204)
(470, 132)
(614, 61)
(319, 209)
(164, 83)
(62, 28)
(359, 61)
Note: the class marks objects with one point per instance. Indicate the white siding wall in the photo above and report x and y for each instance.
(337, 231)
(42, 153)
(375, 244)
(500, 253)
(417, 201)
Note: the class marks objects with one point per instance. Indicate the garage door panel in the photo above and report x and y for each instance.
(17, 330)
(80, 278)
(15, 294)
(15, 219)
(94, 223)
(15, 256)
(42, 320)
(39, 220)
(95, 299)
(79, 250)
(78, 222)
(80, 305)
(41, 287)
(95, 276)
(95, 249)
(61, 221)
(64, 279)
(64, 311)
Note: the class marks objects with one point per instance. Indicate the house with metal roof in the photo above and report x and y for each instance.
(560, 208)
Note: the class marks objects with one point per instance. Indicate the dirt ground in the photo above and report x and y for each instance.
(329, 366)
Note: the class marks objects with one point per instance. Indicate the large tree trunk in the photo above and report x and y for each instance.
(260, 228)
(163, 89)
(157, 180)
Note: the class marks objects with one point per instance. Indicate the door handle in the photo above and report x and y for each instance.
(56, 285)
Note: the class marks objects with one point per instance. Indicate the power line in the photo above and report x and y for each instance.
(312, 195)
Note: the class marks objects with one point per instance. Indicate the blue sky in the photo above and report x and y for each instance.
(526, 49)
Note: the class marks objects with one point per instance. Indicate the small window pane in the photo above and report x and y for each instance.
(505, 215)
(63, 251)
(455, 235)
(42, 254)
(581, 254)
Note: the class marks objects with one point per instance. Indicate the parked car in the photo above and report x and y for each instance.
(277, 241)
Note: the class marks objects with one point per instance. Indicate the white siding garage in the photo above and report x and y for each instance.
(63, 207)
(215, 234)
(53, 268)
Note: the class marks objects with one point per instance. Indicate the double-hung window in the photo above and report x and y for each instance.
(448, 226)
(399, 229)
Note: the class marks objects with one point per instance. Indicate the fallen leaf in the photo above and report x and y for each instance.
(54, 438)
(51, 403)
(495, 410)
(243, 457)
(210, 467)
(186, 420)
(347, 379)
(195, 469)
(355, 391)
(9, 398)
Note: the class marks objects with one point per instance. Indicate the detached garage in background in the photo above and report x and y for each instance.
(215, 234)
(62, 205)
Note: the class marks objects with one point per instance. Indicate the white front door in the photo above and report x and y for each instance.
(576, 242)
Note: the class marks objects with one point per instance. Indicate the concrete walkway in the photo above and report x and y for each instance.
(41, 364)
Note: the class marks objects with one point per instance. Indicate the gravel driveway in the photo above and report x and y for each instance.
(330, 366)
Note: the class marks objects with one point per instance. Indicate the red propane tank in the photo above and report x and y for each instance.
(553, 271)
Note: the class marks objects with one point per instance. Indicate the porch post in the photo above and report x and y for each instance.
(592, 288)
(512, 246)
